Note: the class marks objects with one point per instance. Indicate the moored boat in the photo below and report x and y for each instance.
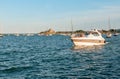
(108, 35)
(1, 35)
(94, 38)
(116, 34)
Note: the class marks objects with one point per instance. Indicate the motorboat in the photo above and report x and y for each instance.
(93, 38)
(108, 35)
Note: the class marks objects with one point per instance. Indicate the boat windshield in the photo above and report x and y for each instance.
(95, 34)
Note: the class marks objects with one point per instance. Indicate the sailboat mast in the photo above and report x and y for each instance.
(109, 25)
(109, 31)
(71, 27)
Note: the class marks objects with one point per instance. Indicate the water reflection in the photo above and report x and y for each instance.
(87, 49)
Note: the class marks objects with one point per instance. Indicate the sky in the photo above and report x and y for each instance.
(33, 16)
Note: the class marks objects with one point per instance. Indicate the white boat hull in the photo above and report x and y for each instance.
(84, 41)
(109, 35)
(86, 44)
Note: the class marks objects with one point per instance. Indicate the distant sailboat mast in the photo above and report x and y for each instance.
(109, 27)
(0, 31)
(71, 26)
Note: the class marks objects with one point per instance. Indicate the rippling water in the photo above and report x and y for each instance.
(54, 57)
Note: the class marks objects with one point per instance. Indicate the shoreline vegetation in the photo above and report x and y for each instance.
(66, 33)
(53, 32)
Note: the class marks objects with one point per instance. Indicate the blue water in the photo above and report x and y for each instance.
(54, 57)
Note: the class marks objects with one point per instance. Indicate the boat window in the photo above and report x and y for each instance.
(95, 34)
(80, 35)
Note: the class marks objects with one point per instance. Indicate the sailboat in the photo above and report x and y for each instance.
(109, 34)
(115, 33)
(1, 35)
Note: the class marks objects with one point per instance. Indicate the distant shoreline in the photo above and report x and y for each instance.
(68, 32)
(51, 32)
